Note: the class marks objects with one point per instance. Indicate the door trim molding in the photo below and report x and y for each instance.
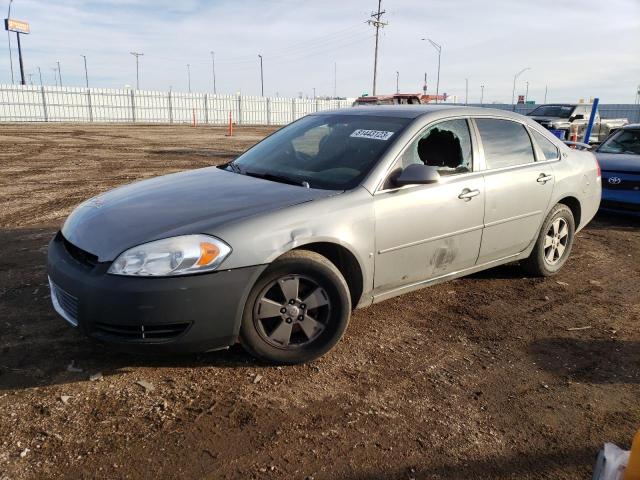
(431, 239)
(515, 217)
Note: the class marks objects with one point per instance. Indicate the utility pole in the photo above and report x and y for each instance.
(189, 76)
(439, 50)
(86, 75)
(481, 95)
(397, 81)
(40, 73)
(55, 74)
(335, 79)
(136, 54)
(314, 93)
(30, 79)
(545, 93)
(466, 91)
(9, 38)
(513, 93)
(213, 70)
(261, 77)
(59, 72)
(378, 24)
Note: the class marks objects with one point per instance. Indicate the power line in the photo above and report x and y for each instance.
(377, 24)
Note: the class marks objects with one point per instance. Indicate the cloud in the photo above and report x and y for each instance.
(578, 49)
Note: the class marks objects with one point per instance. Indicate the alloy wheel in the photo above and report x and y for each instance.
(291, 312)
(555, 241)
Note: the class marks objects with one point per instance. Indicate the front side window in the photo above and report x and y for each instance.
(622, 141)
(549, 150)
(505, 143)
(445, 145)
(328, 151)
(562, 111)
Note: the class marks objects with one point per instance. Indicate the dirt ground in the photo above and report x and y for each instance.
(492, 376)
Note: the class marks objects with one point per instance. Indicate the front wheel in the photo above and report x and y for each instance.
(297, 310)
(554, 243)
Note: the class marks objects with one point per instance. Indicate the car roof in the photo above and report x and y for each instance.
(632, 126)
(415, 111)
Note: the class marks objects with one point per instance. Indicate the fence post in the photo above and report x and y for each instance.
(206, 108)
(44, 105)
(268, 111)
(239, 122)
(133, 107)
(89, 105)
(170, 107)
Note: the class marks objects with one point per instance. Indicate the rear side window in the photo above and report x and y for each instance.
(549, 150)
(505, 143)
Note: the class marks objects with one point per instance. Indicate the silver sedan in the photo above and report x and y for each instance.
(333, 212)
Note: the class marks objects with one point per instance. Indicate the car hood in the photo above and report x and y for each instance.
(619, 162)
(196, 201)
(538, 118)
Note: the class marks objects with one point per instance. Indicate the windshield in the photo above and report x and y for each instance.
(623, 141)
(561, 111)
(333, 152)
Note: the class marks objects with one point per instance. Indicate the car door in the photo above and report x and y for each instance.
(517, 188)
(426, 231)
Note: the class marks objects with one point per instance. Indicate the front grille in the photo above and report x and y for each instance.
(85, 258)
(65, 304)
(627, 207)
(141, 332)
(620, 183)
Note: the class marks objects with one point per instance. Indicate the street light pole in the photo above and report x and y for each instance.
(213, 71)
(397, 81)
(546, 87)
(526, 93)
(136, 54)
(40, 74)
(261, 77)
(439, 49)
(189, 76)
(513, 93)
(466, 91)
(481, 94)
(86, 75)
(59, 72)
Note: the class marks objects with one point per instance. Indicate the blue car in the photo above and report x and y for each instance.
(619, 158)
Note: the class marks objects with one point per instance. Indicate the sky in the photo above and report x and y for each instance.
(575, 48)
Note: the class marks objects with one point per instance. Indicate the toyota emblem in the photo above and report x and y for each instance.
(615, 180)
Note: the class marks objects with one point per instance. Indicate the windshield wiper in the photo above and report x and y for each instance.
(234, 167)
(277, 178)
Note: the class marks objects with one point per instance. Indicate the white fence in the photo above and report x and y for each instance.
(68, 104)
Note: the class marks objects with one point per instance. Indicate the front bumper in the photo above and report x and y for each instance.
(185, 313)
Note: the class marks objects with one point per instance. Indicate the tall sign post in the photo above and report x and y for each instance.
(20, 27)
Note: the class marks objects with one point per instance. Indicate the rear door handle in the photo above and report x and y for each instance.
(468, 194)
(543, 178)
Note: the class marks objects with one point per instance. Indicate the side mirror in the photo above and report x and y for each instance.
(577, 117)
(417, 174)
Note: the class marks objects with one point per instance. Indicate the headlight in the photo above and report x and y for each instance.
(172, 256)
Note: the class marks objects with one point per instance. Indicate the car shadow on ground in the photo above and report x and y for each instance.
(589, 361)
(545, 463)
(614, 221)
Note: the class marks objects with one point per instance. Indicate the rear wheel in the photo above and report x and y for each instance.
(297, 311)
(554, 243)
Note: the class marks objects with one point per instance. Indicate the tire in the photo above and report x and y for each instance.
(278, 327)
(552, 250)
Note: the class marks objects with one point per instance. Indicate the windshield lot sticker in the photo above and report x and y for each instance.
(372, 134)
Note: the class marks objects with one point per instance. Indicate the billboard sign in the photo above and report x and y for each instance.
(18, 26)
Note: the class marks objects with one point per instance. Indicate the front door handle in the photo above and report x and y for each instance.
(544, 178)
(468, 194)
